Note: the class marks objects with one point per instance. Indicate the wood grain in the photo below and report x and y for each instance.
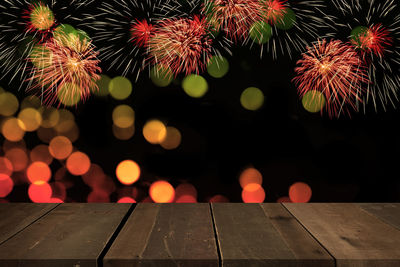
(165, 235)
(17, 216)
(251, 234)
(70, 235)
(387, 212)
(352, 236)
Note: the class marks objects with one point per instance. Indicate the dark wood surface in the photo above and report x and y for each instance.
(387, 212)
(70, 235)
(14, 217)
(351, 235)
(264, 235)
(165, 235)
(218, 234)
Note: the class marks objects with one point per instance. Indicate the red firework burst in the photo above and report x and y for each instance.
(182, 44)
(334, 69)
(374, 39)
(140, 32)
(273, 10)
(67, 69)
(234, 17)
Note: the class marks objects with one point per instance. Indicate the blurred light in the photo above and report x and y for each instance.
(120, 88)
(69, 94)
(218, 66)
(7, 145)
(219, 199)
(253, 193)
(154, 131)
(60, 147)
(195, 85)
(184, 190)
(78, 163)
(185, 199)
(313, 101)
(260, 32)
(40, 192)
(6, 166)
(250, 176)
(172, 139)
(300, 192)
(18, 158)
(126, 200)
(55, 200)
(6, 185)
(288, 20)
(98, 196)
(103, 83)
(31, 101)
(94, 176)
(283, 200)
(71, 131)
(50, 117)
(41, 57)
(8, 104)
(123, 116)
(161, 76)
(59, 191)
(38, 172)
(46, 134)
(162, 192)
(128, 172)
(41, 153)
(30, 119)
(252, 98)
(12, 130)
(123, 133)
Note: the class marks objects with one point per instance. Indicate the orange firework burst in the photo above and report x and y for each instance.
(234, 17)
(334, 69)
(375, 39)
(140, 32)
(273, 10)
(66, 68)
(182, 44)
(40, 18)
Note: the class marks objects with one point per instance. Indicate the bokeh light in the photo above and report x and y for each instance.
(126, 200)
(253, 193)
(287, 21)
(123, 133)
(218, 199)
(128, 172)
(252, 98)
(300, 192)
(313, 101)
(195, 85)
(103, 84)
(31, 101)
(162, 192)
(12, 130)
(8, 104)
(123, 116)
(154, 131)
(6, 185)
(30, 119)
(38, 172)
(40, 192)
(172, 139)
(78, 163)
(41, 153)
(120, 88)
(50, 117)
(250, 176)
(218, 66)
(6, 166)
(60, 147)
(98, 196)
(161, 76)
(69, 94)
(18, 157)
(185, 193)
(260, 32)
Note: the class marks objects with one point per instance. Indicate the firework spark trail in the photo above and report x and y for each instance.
(182, 44)
(233, 17)
(335, 69)
(70, 64)
(381, 21)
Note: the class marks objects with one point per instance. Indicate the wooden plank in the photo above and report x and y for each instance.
(70, 235)
(352, 236)
(17, 216)
(387, 212)
(165, 235)
(247, 236)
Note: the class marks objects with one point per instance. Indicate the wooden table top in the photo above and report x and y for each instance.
(218, 234)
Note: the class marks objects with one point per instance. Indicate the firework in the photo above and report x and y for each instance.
(334, 69)
(287, 26)
(183, 44)
(25, 23)
(122, 30)
(233, 17)
(373, 29)
(65, 68)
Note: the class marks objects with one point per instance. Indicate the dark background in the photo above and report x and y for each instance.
(343, 160)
